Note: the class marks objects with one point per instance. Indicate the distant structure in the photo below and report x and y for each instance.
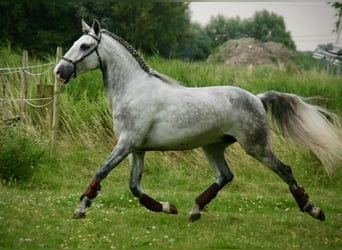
(333, 53)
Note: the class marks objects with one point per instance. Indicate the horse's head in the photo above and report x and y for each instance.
(83, 55)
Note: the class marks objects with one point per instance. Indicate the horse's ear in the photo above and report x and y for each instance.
(96, 26)
(85, 27)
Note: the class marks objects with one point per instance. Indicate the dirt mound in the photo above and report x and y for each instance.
(248, 51)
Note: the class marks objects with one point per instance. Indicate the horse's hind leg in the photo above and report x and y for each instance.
(266, 156)
(215, 156)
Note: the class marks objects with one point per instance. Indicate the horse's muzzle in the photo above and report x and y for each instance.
(63, 72)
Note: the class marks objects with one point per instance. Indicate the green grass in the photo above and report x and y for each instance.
(255, 211)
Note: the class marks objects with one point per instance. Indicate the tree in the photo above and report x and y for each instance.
(199, 43)
(265, 27)
(102, 11)
(38, 25)
(221, 29)
(154, 27)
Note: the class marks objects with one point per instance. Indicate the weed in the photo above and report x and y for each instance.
(20, 154)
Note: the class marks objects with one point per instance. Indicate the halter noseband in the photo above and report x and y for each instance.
(74, 63)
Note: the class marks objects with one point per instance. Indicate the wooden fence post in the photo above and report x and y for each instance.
(45, 91)
(24, 81)
(55, 115)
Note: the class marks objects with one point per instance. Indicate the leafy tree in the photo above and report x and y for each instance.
(221, 29)
(199, 43)
(154, 27)
(40, 26)
(37, 25)
(102, 11)
(265, 26)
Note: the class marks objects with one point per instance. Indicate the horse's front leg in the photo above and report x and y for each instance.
(136, 160)
(118, 154)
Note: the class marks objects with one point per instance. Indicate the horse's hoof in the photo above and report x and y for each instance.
(194, 217)
(167, 207)
(321, 216)
(315, 212)
(173, 209)
(79, 215)
(318, 214)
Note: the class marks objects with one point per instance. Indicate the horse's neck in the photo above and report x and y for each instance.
(120, 70)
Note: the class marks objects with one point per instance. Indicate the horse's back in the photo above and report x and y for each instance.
(232, 103)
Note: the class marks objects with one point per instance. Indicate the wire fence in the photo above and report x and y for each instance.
(46, 100)
(8, 71)
(33, 70)
(29, 101)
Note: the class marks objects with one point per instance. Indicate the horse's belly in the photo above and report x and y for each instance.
(181, 139)
(189, 124)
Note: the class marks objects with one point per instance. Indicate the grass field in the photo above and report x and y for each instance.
(255, 211)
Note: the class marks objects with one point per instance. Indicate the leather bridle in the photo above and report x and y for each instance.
(74, 63)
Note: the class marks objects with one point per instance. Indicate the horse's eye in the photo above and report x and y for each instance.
(84, 46)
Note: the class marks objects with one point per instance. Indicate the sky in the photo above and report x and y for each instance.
(310, 23)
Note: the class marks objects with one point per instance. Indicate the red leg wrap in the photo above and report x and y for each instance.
(209, 194)
(91, 191)
(150, 203)
(301, 197)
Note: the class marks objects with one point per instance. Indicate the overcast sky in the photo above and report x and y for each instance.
(310, 23)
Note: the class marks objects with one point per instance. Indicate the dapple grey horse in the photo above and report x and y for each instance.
(154, 112)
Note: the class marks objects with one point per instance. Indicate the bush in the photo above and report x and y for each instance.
(20, 154)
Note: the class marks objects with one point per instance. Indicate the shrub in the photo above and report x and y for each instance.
(20, 153)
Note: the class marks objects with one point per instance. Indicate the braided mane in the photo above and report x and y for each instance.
(139, 59)
(131, 50)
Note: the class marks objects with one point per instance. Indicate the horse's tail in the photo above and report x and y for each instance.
(309, 125)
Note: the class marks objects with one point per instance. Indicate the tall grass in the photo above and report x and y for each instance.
(256, 79)
(255, 210)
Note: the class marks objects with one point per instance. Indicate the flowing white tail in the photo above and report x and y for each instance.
(309, 125)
